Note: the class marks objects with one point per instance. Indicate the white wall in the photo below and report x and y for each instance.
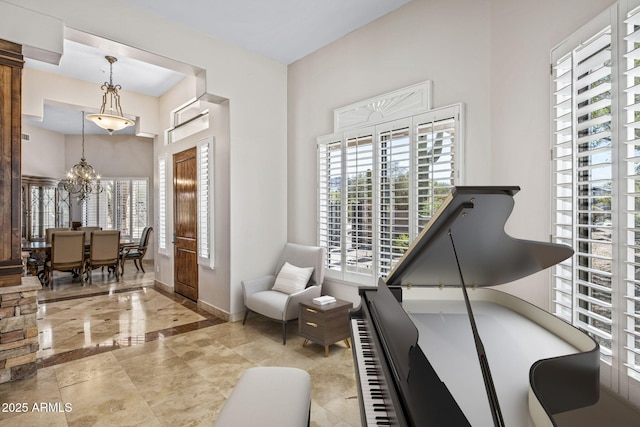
(214, 283)
(44, 154)
(112, 155)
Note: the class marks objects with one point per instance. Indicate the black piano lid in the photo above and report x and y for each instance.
(476, 217)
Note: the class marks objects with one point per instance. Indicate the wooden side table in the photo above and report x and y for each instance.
(324, 324)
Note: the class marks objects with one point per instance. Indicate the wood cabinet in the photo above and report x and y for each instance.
(44, 205)
(324, 324)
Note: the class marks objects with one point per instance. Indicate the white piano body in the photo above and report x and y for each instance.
(516, 336)
(539, 364)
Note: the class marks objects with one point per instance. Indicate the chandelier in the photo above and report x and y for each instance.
(114, 119)
(82, 179)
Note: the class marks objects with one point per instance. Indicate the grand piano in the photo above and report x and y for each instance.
(433, 346)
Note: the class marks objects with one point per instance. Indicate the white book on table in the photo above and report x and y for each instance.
(324, 299)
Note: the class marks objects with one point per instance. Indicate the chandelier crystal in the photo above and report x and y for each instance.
(113, 119)
(82, 179)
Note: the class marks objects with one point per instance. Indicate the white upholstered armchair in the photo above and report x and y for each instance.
(298, 276)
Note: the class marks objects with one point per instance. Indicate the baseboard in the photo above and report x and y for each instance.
(163, 286)
(215, 311)
(221, 314)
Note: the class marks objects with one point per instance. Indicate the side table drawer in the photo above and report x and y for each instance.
(311, 328)
(310, 314)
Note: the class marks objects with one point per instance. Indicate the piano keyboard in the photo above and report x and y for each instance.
(378, 410)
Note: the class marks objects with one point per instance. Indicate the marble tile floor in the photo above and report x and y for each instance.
(128, 353)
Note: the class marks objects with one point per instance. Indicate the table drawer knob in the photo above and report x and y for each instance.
(311, 310)
(313, 325)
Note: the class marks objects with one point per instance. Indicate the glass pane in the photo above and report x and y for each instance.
(43, 210)
(394, 160)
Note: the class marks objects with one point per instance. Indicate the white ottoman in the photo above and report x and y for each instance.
(268, 396)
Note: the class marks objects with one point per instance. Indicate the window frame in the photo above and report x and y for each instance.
(360, 274)
(102, 215)
(576, 296)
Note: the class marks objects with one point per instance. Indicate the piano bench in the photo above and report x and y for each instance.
(268, 396)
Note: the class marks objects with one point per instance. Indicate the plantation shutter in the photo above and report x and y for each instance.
(594, 189)
(562, 153)
(330, 199)
(435, 164)
(631, 289)
(205, 200)
(123, 210)
(584, 187)
(394, 185)
(139, 204)
(162, 203)
(360, 175)
(97, 210)
(123, 205)
(378, 186)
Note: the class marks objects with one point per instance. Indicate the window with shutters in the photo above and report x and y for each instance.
(162, 204)
(379, 185)
(123, 205)
(596, 188)
(205, 201)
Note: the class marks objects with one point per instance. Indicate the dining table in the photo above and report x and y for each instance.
(40, 251)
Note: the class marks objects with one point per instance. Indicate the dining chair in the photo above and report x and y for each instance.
(136, 252)
(67, 254)
(41, 259)
(104, 251)
(49, 231)
(87, 233)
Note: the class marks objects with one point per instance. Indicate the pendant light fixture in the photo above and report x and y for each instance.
(82, 179)
(112, 118)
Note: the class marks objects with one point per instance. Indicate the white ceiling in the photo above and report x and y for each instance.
(283, 30)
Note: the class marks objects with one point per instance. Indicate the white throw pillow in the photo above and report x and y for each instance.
(292, 279)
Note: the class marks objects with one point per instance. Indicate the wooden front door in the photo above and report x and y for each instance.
(185, 224)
